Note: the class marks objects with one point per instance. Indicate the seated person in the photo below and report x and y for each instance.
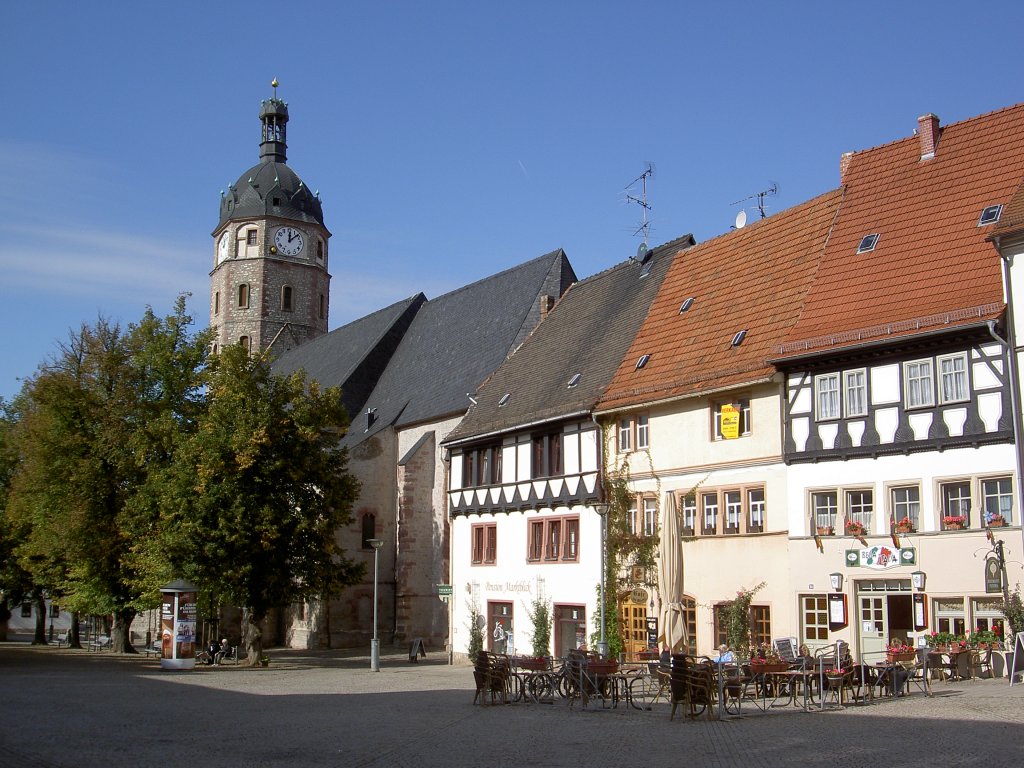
(224, 649)
(805, 656)
(211, 652)
(725, 656)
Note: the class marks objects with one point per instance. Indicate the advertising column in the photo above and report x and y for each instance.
(178, 625)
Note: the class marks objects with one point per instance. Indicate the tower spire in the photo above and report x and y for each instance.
(274, 117)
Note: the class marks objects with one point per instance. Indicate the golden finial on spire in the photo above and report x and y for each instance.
(273, 84)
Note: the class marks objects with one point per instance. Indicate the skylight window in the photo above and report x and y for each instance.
(739, 337)
(642, 361)
(504, 399)
(686, 305)
(575, 380)
(990, 215)
(646, 269)
(868, 243)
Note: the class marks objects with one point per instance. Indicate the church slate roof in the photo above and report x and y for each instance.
(253, 196)
(354, 356)
(586, 333)
(455, 342)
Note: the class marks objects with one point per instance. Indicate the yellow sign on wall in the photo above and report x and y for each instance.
(730, 422)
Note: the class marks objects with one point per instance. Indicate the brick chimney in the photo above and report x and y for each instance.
(844, 165)
(928, 133)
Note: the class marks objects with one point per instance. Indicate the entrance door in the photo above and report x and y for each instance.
(634, 627)
(499, 624)
(570, 629)
(873, 626)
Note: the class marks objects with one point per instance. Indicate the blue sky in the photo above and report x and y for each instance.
(448, 140)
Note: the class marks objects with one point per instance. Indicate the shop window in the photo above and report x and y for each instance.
(988, 615)
(949, 615)
(499, 626)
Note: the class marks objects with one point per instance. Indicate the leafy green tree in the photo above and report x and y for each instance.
(97, 424)
(15, 581)
(253, 504)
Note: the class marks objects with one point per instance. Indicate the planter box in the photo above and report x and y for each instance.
(533, 663)
(898, 657)
(997, 523)
(904, 529)
(768, 668)
(954, 527)
(823, 530)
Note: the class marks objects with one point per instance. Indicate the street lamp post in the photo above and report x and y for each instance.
(602, 510)
(375, 643)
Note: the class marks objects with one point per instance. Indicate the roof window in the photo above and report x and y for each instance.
(686, 305)
(739, 337)
(642, 361)
(990, 215)
(868, 243)
(646, 269)
(575, 380)
(504, 399)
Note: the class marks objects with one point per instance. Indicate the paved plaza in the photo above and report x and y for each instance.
(325, 708)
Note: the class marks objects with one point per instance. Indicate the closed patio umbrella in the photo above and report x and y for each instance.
(672, 622)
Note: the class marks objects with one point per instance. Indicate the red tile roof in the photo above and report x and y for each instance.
(752, 279)
(932, 268)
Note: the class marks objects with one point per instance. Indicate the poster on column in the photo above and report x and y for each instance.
(185, 626)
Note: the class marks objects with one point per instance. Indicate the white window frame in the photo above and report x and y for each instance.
(832, 509)
(945, 510)
(732, 502)
(689, 508)
(650, 517)
(906, 507)
(625, 435)
(956, 378)
(865, 510)
(643, 432)
(917, 382)
(827, 397)
(855, 395)
(716, 413)
(1005, 509)
(713, 508)
(756, 508)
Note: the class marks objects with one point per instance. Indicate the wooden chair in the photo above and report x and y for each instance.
(492, 673)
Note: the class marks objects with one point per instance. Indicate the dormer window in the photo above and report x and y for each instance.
(990, 215)
(868, 243)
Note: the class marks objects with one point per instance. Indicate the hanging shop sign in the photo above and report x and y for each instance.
(993, 576)
(880, 557)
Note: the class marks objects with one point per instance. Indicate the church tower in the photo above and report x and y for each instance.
(269, 286)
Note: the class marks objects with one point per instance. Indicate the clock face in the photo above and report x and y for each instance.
(288, 241)
(222, 249)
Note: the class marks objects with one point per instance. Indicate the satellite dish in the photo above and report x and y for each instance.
(741, 219)
(641, 252)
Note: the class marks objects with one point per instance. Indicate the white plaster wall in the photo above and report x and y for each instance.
(513, 579)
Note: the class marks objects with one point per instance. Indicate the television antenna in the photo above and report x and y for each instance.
(645, 226)
(772, 190)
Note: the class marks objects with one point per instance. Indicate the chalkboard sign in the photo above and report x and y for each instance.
(1017, 660)
(786, 648)
(416, 650)
(652, 631)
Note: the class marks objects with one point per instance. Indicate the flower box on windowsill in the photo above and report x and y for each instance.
(997, 522)
(954, 526)
(825, 530)
(904, 529)
(708, 531)
(854, 528)
(755, 528)
(731, 529)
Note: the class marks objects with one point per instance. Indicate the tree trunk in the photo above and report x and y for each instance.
(120, 632)
(252, 637)
(74, 636)
(5, 617)
(39, 638)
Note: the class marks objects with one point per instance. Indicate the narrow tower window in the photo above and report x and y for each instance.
(216, 302)
(286, 298)
(321, 306)
(244, 341)
(243, 296)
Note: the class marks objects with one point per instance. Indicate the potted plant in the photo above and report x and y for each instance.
(899, 651)
(540, 640)
(906, 525)
(996, 521)
(825, 530)
(855, 528)
(954, 522)
(940, 640)
(767, 661)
